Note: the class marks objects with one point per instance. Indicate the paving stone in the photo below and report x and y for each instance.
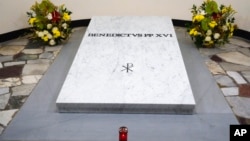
(240, 105)
(11, 50)
(24, 57)
(246, 75)
(4, 90)
(1, 129)
(228, 47)
(230, 91)
(233, 67)
(53, 48)
(224, 81)
(39, 61)
(11, 71)
(33, 51)
(245, 51)
(239, 42)
(22, 90)
(6, 64)
(244, 90)
(10, 82)
(15, 102)
(235, 57)
(214, 67)
(46, 55)
(6, 116)
(209, 51)
(237, 77)
(18, 41)
(4, 99)
(35, 69)
(31, 79)
(6, 58)
(216, 58)
(55, 53)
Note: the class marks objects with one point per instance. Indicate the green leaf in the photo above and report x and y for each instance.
(212, 7)
(204, 24)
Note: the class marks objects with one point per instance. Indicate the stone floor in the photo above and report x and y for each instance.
(22, 65)
(230, 66)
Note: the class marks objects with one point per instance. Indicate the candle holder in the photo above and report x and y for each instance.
(123, 133)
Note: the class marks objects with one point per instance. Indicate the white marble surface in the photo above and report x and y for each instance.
(158, 82)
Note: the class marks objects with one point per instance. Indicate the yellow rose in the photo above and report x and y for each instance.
(66, 16)
(56, 32)
(32, 20)
(212, 24)
(198, 18)
(224, 10)
(45, 38)
(193, 32)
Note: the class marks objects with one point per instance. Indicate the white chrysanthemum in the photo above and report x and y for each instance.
(49, 26)
(216, 36)
(52, 42)
(209, 32)
(49, 36)
(54, 29)
(49, 16)
(224, 27)
(33, 14)
(202, 12)
(64, 25)
(40, 34)
(45, 32)
(208, 38)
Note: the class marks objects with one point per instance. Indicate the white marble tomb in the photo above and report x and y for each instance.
(128, 64)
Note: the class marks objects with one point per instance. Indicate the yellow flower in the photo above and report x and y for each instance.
(193, 32)
(66, 16)
(212, 24)
(56, 32)
(198, 18)
(32, 20)
(224, 10)
(45, 38)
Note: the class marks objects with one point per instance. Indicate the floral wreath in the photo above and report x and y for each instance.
(50, 24)
(211, 24)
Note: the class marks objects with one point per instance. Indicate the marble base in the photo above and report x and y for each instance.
(128, 64)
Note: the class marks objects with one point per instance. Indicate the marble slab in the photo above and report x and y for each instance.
(128, 64)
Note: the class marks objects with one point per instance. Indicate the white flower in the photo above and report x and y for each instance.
(216, 36)
(209, 32)
(49, 36)
(224, 27)
(45, 32)
(64, 25)
(49, 26)
(52, 42)
(40, 34)
(202, 12)
(33, 14)
(208, 38)
(49, 16)
(54, 29)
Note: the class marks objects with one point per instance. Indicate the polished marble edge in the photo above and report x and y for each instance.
(126, 108)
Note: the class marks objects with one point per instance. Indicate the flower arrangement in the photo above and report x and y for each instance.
(211, 25)
(51, 24)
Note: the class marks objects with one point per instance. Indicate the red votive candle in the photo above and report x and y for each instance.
(123, 133)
